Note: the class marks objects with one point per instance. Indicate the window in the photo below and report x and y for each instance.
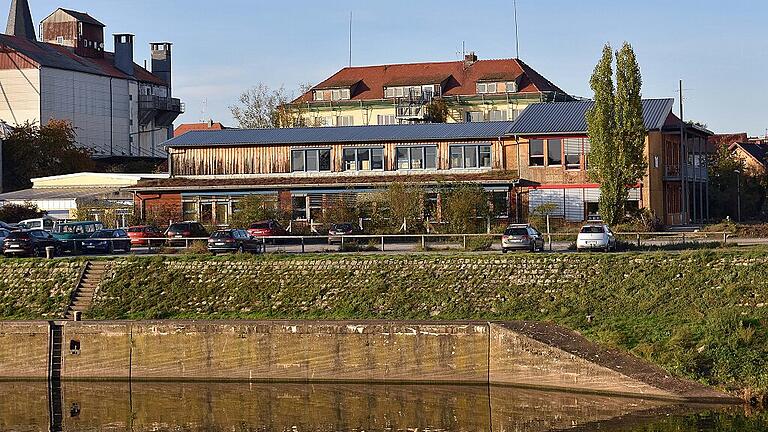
(363, 159)
(500, 204)
(333, 94)
(388, 119)
(474, 116)
(536, 153)
(311, 160)
(496, 87)
(189, 210)
(511, 87)
(299, 207)
(416, 157)
(346, 120)
(498, 115)
(407, 91)
(572, 149)
(554, 152)
(470, 156)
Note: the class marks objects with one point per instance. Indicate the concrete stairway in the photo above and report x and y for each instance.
(82, 298)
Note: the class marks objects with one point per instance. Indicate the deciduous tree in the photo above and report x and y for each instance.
(262, 107)
(616, 130)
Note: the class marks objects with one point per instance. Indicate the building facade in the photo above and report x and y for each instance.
(118, 108)
(542, 158)
(552, 155)
(471, 90)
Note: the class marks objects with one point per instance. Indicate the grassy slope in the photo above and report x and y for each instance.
(36, 288)
(694, 314)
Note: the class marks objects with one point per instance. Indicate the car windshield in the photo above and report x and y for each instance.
(592, 229)
(221, 234)
(178, 227)
(516, 231)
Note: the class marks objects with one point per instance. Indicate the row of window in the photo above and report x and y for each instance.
(406, 158)
(390, 119)
(558, 152)
(496, 87)
(332, 95)
(493, 115)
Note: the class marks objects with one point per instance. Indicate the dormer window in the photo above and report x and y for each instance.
(495, 87)
(333, 94)
(414, 91)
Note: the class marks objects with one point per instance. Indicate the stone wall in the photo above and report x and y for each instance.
(24, 350)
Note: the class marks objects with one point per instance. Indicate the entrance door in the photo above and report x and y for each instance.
(206, 213)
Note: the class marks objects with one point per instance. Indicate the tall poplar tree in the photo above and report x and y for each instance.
(616, 130)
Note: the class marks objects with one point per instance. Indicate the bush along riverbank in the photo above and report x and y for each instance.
(700, 315)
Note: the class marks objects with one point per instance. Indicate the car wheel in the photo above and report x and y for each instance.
(111, 249)
(240, 249)
(504, 250)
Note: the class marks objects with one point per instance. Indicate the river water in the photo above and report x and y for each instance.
(238, 407)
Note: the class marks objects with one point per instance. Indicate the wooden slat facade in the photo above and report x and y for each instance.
(274, 159)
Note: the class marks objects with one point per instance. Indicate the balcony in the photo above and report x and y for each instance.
(413, 106)
(162, 110)
(699, 173)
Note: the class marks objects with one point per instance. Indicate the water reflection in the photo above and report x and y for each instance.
(334, 407)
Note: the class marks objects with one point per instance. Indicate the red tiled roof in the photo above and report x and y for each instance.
(727, 139)
(186, 127)
(62, 57)
(462, 80)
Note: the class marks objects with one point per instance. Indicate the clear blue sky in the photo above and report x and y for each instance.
(718, 48)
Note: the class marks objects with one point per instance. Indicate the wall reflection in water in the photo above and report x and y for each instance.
(314, 407)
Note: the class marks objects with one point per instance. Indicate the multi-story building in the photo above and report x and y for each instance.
(118, 108)
(541, 158)
(472, 91)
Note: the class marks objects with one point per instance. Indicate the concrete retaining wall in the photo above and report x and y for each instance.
(518, 353)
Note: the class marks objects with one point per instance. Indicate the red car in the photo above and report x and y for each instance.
(140, 234)
(267, 228)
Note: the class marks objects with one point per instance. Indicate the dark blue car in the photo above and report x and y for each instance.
(107, 241)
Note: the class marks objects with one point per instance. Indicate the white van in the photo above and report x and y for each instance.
(46, 223)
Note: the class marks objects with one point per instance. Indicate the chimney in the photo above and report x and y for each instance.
(124, 53)
(161, 61)
(20, 21)
(470, 58)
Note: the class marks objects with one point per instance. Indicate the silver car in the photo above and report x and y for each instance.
(522, 237)
(596, 236)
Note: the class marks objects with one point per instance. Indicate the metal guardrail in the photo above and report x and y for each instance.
(423, 240)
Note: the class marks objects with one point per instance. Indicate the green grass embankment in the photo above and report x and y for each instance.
(701, 315)
(36, 288)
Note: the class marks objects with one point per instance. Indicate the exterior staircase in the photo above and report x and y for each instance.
(82, 297)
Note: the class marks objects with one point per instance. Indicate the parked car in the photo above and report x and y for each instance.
(46, 223)
(522, 237)
(9, 227)
(178, 232)
(70, 235)
(233, 240)
(266, 228)
(595, 235)
(337, 231)
(29, 243)
(3, 234)
(107, 241)
(141, 234)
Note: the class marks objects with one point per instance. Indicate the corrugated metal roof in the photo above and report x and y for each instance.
(412, 132)
(570, 117)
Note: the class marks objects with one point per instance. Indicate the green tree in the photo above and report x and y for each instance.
(465, 208)
(616, 130)
(15, 213)
(394, 205)
(37, 151)
(254, 208)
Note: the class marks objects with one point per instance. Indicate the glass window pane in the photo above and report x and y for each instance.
(297, 160)
(457, 157)
(312, 164)
(363, 159)
(485, 156)
(554, 152)
(325, 160)
(349, 160)
(491, 88)
(377, 159)
(536, 153)
(299, 207)
(470, 157)
(402, 158)
(417, 158)
(430, 157)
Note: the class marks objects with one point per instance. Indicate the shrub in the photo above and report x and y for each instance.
(15, 213)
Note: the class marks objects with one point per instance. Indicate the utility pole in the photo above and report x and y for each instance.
(683, 164)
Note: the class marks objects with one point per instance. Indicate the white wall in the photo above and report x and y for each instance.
(20, 96)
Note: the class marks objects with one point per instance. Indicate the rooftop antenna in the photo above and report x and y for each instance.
(517, 36)
(204, 111)
(350, 38)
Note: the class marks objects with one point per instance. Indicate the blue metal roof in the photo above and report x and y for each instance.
(358, 134)
(571, 117)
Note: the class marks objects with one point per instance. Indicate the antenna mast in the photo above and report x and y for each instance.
(350, 38)
(517, 36)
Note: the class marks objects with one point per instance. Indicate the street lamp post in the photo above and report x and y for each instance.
(738, 196)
